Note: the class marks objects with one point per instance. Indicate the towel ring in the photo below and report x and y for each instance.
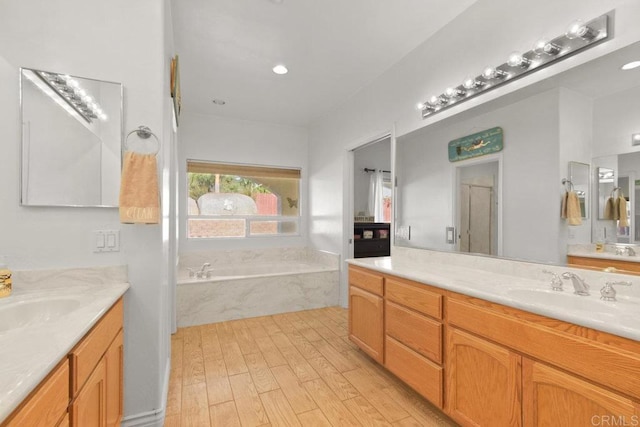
(143, 132)
(565, 181)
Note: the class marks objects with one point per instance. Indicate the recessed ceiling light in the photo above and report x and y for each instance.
(631, 65)
(280, 69)
(219, 101)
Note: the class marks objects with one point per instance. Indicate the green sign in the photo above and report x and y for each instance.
(479, 144)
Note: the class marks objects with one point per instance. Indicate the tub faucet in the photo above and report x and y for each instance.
(579, 285)
(203, 271)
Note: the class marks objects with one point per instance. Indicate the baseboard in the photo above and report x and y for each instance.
(152, 418)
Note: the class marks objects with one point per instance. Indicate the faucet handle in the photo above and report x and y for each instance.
(556, 281)
(192, 272)
(608, 293)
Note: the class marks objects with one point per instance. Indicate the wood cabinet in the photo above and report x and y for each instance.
(85, 389)
(89, 407)
(413, 336)
(483, 382)
(365, 322)
(96, 373)
(47, 405)
(486, 364)
(621, 266)
(553, 397)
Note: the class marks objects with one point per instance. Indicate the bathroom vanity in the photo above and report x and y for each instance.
(491, 349)
(64, 365)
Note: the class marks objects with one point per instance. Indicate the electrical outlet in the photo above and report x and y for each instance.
(403, 232)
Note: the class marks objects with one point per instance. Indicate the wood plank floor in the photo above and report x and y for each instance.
(293, 369)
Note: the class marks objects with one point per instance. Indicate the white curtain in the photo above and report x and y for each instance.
(375, 195)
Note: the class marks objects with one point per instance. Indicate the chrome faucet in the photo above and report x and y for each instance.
(607, 293)
(630, 251)
(203, 271)
(579, 285)
(556, 281)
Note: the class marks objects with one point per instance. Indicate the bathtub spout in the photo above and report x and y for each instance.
(202, 273)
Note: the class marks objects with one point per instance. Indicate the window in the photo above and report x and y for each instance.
(239, 201)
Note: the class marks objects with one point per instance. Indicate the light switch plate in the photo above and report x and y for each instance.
(106, 241)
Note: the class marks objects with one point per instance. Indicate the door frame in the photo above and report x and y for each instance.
(456, 167)
(348, 201)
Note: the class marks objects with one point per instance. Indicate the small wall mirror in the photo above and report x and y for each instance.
(606, 183)
(71, 140)
(579, 182)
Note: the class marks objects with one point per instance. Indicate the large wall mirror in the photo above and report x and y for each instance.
(71, 140)
(583, 116)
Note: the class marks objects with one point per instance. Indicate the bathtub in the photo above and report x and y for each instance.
(255, 283)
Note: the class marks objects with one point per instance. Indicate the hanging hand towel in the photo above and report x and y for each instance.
(139, 196)
(563, 205)
(622, 212)
(574, 214)
(609, 209)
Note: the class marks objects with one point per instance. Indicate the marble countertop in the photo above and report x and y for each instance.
(533, 295)
(29, 352)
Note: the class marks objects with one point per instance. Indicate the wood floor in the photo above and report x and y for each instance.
(293, 369)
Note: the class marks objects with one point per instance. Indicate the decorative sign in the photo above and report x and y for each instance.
(478, 144)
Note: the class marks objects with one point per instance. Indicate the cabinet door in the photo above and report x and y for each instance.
(89, 407)
(552, 397)
(483, 382)
(114, 359)
(366, 322)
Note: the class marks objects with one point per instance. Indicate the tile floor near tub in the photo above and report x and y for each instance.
(293, 369)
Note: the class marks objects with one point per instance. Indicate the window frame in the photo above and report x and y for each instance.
(228, 167)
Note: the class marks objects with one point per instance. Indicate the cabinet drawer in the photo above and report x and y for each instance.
(365, 280)
(415, 331)
(421, 374)
(48, 404)
(415, 296)
(605, 364)
(86, 355)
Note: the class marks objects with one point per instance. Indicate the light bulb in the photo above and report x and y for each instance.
(437, 101)
(544, 46)
(453, 92)
(103, 117)
(420, 106)
(73, 83)
(470, 82)
(517, 60)
(635, 139)
(580, 29)
(490, 73)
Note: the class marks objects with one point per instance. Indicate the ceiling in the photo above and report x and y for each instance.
(333, 48)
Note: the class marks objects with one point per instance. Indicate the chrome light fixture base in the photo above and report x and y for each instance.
(557, 49)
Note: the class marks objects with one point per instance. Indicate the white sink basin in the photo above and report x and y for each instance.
(564, 299)
(29, 312)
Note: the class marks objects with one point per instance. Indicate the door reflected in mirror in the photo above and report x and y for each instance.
(71, 140)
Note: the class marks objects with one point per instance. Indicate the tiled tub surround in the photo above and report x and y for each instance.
(521, 285)
(30, 352)
(255, 283)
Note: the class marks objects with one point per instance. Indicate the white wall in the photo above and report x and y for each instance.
(374, 156)
(484, 34)
(218, 139)
(119, 41)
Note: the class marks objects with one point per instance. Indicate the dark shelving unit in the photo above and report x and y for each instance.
(377, 245)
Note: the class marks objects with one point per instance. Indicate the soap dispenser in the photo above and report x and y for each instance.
(5, 278)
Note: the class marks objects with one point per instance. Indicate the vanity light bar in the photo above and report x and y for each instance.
(578, 37)
(70, 91)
